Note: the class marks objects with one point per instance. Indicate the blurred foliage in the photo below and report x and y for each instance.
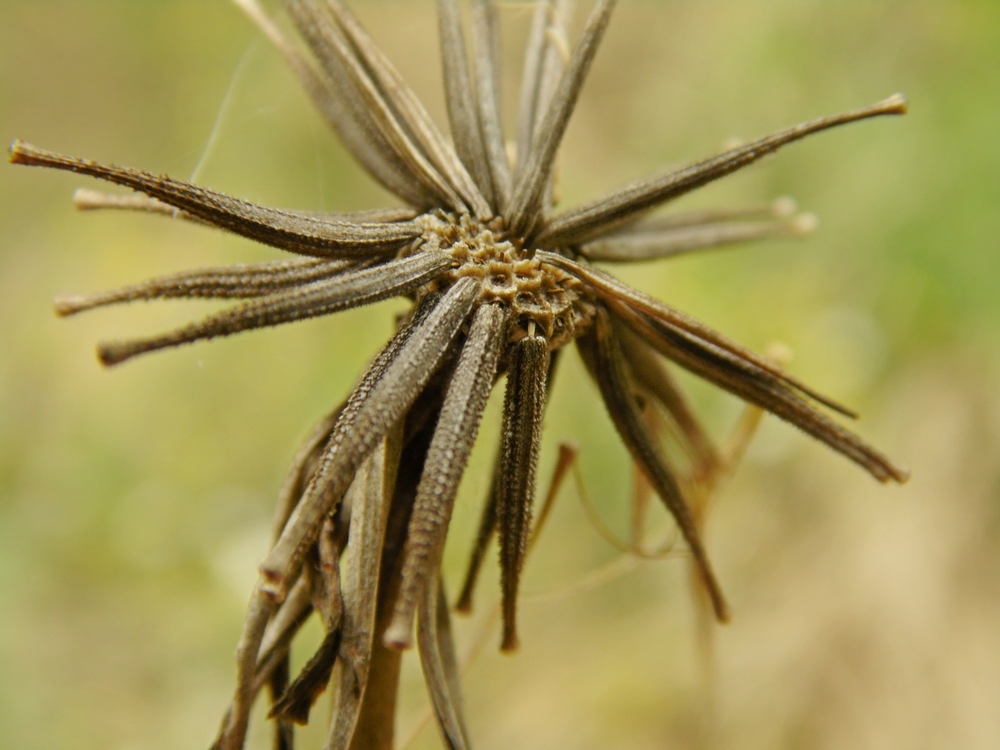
(134, 503)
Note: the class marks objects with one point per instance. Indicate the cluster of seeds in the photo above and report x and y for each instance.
(542, 297)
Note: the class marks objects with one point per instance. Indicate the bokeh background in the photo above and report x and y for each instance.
(135, 503)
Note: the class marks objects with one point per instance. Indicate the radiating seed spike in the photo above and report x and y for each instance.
(644, 245)
(654, 377)
(486, 64)
(437, 656)
(770, 393)
(613, 292)
(646, 221)
(531, 182)
(86, 199)
(280, 631)
(454, 436)
(607, 366)
(372, 494)
(534, 56)
(524, 406)
(411, 112)
(239, 281)
(463, 114)
(344, 416)
(259, 612)
(488, 518)
(336, 104)
(340, 59)
(780, 208)
(319, 298)
(589, 220)
(402, 381)
(268, 225)
(546, 56)
(556, 58)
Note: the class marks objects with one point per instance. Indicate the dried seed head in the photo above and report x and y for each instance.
(500, 283)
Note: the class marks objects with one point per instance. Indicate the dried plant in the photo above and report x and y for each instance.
(500, 284)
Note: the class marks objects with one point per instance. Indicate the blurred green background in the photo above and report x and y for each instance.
(135, 502)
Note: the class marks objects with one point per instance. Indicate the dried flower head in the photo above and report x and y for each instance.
(500, 284)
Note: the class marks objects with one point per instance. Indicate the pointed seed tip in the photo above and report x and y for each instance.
(112, 353)
(272, 584)
(806, 223)
(15, 151)
(68, 305)
(895, 104)
(901, 474)
(21, 152)
(398, 637)
(719, 604)
(510, 644)
(84, 198)
(784, 207)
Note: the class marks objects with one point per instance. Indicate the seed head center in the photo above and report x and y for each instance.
(536, 292)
